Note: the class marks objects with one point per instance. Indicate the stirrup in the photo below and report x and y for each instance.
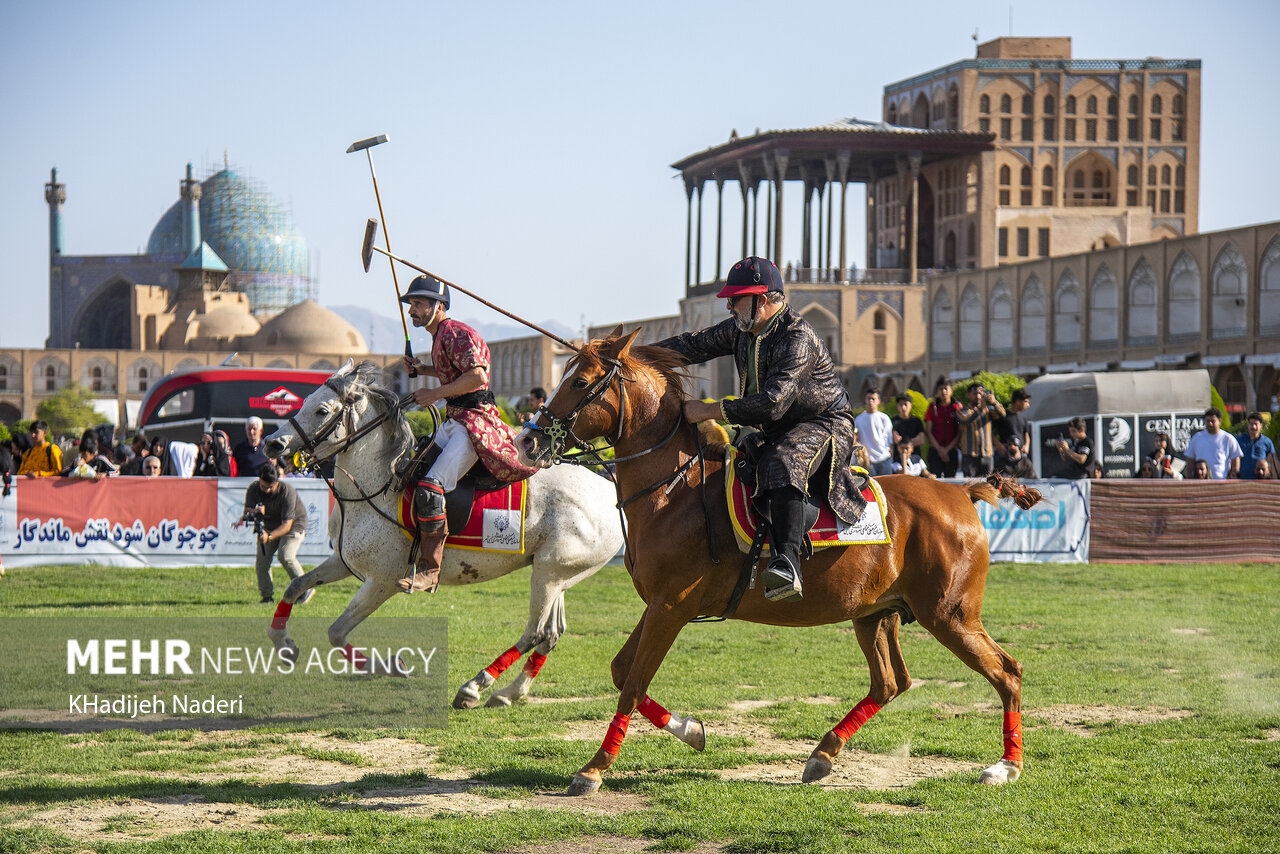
(782, 580)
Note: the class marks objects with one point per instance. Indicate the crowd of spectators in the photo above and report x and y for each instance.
(95, 456)
(981, 436)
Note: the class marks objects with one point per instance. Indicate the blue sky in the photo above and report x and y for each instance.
(530, 143)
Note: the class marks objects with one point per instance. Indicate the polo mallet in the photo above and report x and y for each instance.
(365, 145)
(366, 256)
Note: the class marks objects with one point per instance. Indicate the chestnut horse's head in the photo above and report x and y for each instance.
(601, 385)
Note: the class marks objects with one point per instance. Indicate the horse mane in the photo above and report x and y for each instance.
(668, 363)
(363, 380)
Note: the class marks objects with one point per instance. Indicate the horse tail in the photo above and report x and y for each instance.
(998, 486)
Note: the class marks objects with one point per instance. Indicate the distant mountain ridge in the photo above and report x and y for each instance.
(385, 334)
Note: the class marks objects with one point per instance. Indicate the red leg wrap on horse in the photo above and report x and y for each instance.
(533, 666)
(853, 721)
(657, 715)
(1013, 736)
(502, 662)
(617, 731)
(282, 615)
(349, 653)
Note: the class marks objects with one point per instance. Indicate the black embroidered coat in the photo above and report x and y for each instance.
(799, 405)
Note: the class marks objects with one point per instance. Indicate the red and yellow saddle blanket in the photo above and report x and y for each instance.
(496, 523)
(871, 529)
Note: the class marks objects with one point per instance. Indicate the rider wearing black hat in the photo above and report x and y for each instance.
(789, 389)
(474, 429)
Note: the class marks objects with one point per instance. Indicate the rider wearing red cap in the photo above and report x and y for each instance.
(474, 429)
(789, 389)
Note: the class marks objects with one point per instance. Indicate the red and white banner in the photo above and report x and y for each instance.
(133, 521)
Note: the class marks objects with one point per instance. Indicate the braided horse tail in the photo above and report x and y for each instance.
(998, 486)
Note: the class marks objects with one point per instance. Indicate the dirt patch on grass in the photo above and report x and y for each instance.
(144, 818)
(754, 705)
(857, 769)
(1083, 720)
(1190, 631)
(604, 845)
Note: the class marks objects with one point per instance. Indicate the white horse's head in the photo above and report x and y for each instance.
(330, 414)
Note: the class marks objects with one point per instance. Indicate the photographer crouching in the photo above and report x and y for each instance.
(279, 521)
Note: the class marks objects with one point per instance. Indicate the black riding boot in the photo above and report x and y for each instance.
(786, 533)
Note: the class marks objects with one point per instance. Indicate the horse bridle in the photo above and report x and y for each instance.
(310, 443)
(560, 428)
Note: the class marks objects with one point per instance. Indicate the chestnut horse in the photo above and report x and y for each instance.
(934, 570)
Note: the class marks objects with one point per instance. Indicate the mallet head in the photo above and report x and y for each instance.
(366, 250)
(367, 143)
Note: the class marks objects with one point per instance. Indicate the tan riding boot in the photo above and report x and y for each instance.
(426, 575)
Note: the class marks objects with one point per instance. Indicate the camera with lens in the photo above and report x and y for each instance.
(257, 517)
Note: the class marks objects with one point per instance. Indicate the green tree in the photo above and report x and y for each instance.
(5, 435)
(1217, 402)
(69, 411)
(1002, 384)
(420, 423)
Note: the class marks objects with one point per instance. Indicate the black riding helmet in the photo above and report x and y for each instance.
(429, 287)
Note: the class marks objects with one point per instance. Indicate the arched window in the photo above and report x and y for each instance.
(1103, 307)
(893, 114)
(984, 104)
(1033, 312)
(1113, 106)
(1180, 176)
(1134, 103)
(972, 239)
(1157, 105)
(942, 326)
(1151, 174)
(1165, 174)
(1131, 175)
(1230, 294)
(1269, 295)
(970, 322)
(1070, 105)
(1026, 176)
(1049, 104)
(953, 108)
(1006, 104)
(1077, 180)
(1046, 176)
(1005, 174)
(1000, 321)
(1177, 105)
(1066, 313)
(1091, 105)
(1027, 104)
(96, 376)
(1184, 298)
(878, 320)
(1142, 305)
(1100, 179)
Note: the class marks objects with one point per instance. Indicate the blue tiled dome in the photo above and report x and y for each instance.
(253, 234)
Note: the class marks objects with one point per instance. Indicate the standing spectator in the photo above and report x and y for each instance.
(45, 458)
(250, 454)
(1200, 470)
(907, 427)
(211, 459)
(1078, 451)
(977, 449)
(537, 398)
(1015, 463)
(1012, 430)
(141, 450)
(7, 468)
(1254, 447)
(221, 441)
(1216, 447)
(89, 465)
(1262, 470)
(1163, 458)
(150, 466)
(944, 431)
(876, 431)
(284, 524)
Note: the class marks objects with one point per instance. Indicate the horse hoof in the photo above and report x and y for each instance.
(693, 732)
(497, 701)
(1003, 771)
(466, 699)
(583, 786)
(288, 653)
(815, 769)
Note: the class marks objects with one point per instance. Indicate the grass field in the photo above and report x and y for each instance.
(1151, 708)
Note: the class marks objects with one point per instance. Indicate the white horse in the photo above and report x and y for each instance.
(571, 528)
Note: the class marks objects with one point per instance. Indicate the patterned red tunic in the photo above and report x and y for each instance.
(455, 349)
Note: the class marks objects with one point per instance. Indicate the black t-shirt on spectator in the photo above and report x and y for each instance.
(1012, 429)
(249, 458)
(1081, 470)
(908, 428)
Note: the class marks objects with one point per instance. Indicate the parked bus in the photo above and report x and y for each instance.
(184, 404)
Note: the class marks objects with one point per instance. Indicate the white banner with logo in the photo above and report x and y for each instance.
(313, 494)
(1054, 531)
